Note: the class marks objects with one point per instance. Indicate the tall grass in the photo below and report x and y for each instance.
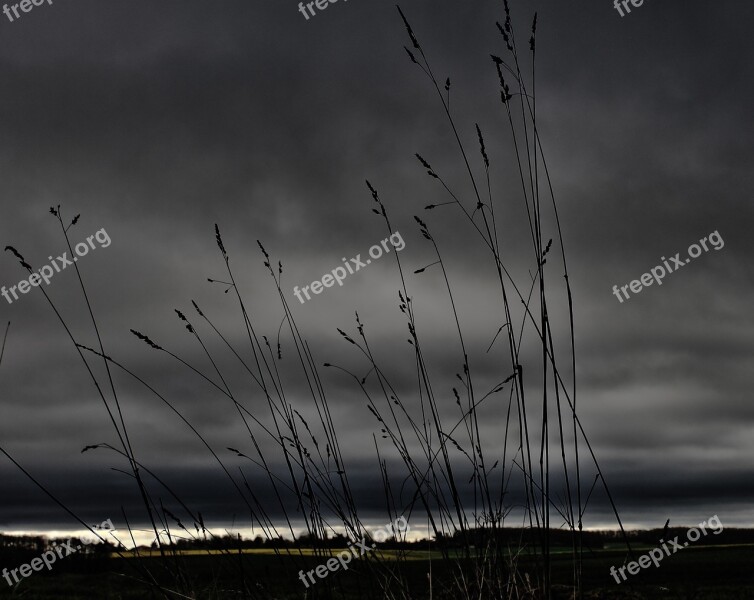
(309, 493)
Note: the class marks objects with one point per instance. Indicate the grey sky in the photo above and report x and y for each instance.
(157, 120)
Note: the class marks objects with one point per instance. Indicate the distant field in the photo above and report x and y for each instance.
(384, 554)
(696, 573)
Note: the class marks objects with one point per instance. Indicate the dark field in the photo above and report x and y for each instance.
(701, 573)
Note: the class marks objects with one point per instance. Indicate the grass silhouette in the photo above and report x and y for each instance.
(309, 495)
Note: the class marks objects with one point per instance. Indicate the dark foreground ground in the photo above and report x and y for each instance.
(699, 573)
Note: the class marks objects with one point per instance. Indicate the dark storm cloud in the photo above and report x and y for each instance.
(157, 120)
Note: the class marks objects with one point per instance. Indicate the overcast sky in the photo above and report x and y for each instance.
(156, 120)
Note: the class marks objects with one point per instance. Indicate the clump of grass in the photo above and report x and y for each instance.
(308, 495)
